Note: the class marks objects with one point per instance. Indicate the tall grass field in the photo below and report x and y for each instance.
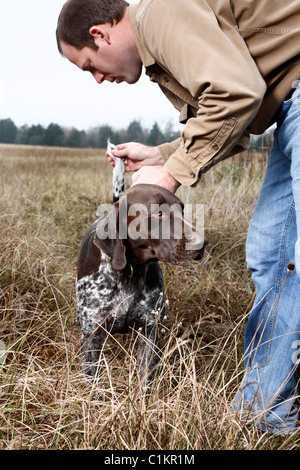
(48, 198)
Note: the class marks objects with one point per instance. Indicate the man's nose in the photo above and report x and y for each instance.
(98, 77)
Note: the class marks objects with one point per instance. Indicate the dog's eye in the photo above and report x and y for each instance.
(143, 247)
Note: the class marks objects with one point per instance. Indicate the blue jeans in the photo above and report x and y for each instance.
(269, 390)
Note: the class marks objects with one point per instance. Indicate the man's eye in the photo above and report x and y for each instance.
(89, 68)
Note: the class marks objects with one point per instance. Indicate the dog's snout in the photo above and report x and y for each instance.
(196, 241)
(194, 237)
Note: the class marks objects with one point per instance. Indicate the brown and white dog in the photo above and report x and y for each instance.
(120, 285)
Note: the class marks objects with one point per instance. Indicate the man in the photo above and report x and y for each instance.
(231, 68)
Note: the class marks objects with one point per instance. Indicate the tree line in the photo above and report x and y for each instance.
(55, 135)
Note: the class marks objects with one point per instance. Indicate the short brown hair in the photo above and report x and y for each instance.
(77, 17)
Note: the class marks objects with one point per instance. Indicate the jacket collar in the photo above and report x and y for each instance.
(145, 55)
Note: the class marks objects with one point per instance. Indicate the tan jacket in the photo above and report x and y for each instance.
(226, 65)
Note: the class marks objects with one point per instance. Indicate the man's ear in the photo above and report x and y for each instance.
(100, 31)
(107, 238)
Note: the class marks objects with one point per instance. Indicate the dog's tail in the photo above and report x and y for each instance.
(118, 180)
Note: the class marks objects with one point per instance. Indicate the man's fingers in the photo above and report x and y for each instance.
(121, 146)
(120, 151)
(111, 161)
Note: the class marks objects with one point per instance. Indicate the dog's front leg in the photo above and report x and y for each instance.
(148, 352)
(91, 346)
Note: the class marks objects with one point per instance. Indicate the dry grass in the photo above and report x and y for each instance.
(48, 197)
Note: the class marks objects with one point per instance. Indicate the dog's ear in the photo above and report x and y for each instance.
(107, 238)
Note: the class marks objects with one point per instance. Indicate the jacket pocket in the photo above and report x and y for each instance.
(215, 145)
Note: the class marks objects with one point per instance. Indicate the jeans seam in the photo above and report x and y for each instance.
(278, 279)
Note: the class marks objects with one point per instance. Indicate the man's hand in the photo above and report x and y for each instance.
(137, 155)
(147, 163)
(155, 175)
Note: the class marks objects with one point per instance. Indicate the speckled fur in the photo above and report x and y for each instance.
(110, 302)
(118, 173)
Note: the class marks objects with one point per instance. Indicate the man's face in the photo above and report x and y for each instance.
(116, 59)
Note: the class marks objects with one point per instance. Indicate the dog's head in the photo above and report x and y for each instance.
(147, 224)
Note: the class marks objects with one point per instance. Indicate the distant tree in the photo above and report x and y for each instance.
(104, 132)
(54, 136)
(35, 135)
(169, 132)
(120, 136)
(91, 138)
(75, 138)
(155, 136)
(8, 131)
(135, 133)
(22, 136)
(97, 136)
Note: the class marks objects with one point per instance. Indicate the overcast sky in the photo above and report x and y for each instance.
(38, 86)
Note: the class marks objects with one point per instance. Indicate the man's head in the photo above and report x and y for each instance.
(96, 36)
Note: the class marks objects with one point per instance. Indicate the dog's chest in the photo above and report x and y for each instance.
(120, 300)
(104, 290)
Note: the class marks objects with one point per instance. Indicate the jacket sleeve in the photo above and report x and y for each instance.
(214, 65)
(168, 148)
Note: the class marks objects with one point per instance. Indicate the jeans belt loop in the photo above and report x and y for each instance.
(295, 85)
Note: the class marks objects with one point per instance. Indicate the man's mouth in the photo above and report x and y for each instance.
(113, 80)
